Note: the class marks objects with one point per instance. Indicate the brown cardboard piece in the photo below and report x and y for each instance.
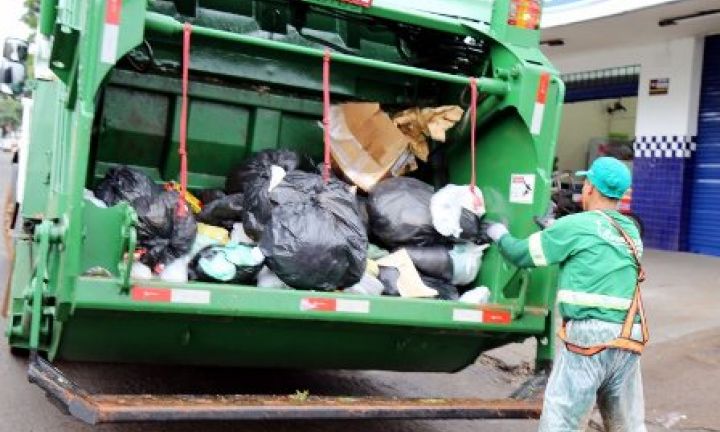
(365, 144)
(409, 283)
(418, 124)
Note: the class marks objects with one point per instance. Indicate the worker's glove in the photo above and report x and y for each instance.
(493, 230)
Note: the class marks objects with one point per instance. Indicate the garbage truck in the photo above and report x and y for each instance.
(125, 79)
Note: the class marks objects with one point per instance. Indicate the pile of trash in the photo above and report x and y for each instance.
(278, 224)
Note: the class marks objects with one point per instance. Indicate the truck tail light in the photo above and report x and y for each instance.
(361, 3)
(525, 14)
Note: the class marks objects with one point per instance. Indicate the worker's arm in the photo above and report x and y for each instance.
(543, 248)
(516, 250)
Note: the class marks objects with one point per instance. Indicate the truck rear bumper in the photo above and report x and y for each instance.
(223, 325)
(104, 408)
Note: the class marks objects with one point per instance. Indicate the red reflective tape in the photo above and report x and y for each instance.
(321, 304)
(480, 315)
(362, 3)
(543, 88)
(163, 295)
(318, 304)
(112, 11)
(496, 316)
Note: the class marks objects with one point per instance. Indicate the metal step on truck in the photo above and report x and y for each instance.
(254, 82)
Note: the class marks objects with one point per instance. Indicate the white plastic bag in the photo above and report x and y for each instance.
(277, 174)
(446, 207)
(477, 295)
(238, 235)
(466, 259)
(90, 196)
(176, 271)
(140, 271)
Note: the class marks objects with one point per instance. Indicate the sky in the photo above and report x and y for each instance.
(10, 24)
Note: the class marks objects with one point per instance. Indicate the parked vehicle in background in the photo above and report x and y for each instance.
(567, 198)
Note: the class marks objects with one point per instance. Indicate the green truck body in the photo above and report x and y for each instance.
(255, 83)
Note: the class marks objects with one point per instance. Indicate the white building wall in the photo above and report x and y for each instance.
(679, 60)
(561, 12)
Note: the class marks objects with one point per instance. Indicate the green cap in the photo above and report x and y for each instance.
(610, 176)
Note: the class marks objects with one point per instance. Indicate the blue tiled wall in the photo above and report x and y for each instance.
(660, 199)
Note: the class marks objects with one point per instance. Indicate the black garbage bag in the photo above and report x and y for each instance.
(125, 184)
(432, 261)
(471, 227)
(223, 212)
(399, 211)
(446, 290)
(451, 214)
(258, 165)
(232, 263)
(389, 278)
(206, 196)
(362, 203)
(315, 238)
(163, 233)
(256, 207)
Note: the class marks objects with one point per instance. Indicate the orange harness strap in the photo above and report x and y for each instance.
(624, 341)
(182, 145)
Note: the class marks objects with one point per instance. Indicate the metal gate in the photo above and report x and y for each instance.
(704, 229)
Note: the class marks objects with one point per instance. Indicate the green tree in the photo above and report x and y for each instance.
(30, 17)
(10, 111)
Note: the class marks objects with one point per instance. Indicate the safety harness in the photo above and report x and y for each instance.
(625, 340)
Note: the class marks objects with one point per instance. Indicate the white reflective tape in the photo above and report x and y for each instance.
(467, 315)
(190, 296)
(536, 250)
(593, 300)
(355, 306)
(537, 118)
(108, 51)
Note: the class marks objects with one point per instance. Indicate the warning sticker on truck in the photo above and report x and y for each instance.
(334, 305)
(486, 316)
(170, 295)
(522, 188)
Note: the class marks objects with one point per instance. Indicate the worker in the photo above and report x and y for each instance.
(598, 296)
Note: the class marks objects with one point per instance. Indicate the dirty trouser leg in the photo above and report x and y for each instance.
(620, 399)
(570, 393)
(576, 381)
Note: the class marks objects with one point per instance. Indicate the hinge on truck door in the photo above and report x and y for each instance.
(46, 234)
(127, 252)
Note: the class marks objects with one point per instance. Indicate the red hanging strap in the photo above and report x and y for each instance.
(182, 148)
(477, 201)
(326, 114)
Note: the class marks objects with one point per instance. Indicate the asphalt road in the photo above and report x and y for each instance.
(681, 370)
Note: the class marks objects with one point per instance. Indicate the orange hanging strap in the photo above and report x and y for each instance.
(182, 148)
(477, 201)
(326, 114)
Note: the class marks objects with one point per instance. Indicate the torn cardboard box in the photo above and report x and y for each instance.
(368, 146)
(365, 144)
(418, 124)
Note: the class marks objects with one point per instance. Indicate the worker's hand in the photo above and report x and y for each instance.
(493, 230)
